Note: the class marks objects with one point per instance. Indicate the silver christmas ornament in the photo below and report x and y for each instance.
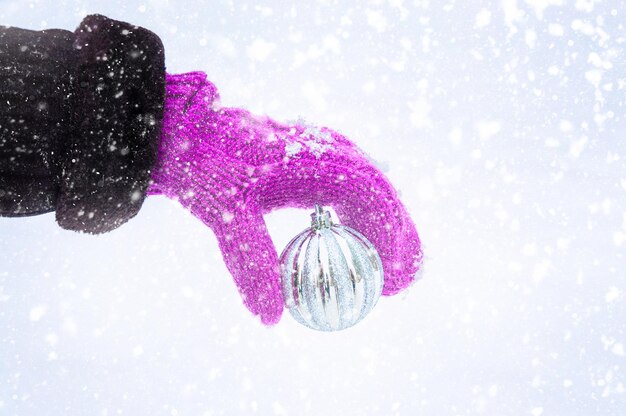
(331, 275)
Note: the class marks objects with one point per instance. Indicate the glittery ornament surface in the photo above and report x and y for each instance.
(332, 276)
(229, 167)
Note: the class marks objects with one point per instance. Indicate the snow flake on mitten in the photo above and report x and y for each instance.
(311, 138)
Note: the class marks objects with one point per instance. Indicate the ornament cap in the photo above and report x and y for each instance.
(320, 219)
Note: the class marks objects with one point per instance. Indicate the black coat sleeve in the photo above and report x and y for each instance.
(80, 120)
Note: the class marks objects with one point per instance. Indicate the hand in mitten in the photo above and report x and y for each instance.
(229, 167)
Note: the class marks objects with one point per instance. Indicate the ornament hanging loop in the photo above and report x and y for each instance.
(320, 219)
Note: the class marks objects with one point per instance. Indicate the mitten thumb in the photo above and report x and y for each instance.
(251, 258)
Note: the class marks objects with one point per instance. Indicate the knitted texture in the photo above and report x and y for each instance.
(229, 167)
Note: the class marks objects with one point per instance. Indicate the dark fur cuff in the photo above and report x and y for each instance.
(117, 111)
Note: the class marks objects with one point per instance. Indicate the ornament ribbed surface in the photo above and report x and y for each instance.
(331, 277)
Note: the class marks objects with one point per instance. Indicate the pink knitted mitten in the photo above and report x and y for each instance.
(229, 167)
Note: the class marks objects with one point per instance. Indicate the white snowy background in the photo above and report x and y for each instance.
(502, 125)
